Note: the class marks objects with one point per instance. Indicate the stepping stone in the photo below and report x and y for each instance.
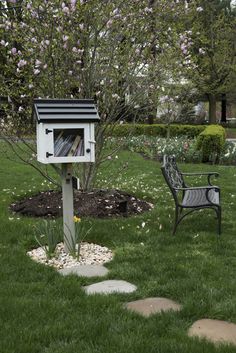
(85, 271)
(216, 331)
(149, 306)
(110, 286)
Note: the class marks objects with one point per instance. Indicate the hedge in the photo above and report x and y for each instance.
(211, 142)
(156, 130)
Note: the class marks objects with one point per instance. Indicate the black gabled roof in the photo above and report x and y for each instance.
(65, 110)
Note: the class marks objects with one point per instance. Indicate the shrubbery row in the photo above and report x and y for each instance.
(156, 130)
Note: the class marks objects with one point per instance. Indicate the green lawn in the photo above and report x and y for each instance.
(43, 312)
(231, 132)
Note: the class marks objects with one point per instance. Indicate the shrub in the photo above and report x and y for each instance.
(211, 142)
(156, 130)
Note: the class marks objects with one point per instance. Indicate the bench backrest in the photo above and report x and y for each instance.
(171, 173)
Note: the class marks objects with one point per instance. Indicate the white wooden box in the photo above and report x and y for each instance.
(65, 131)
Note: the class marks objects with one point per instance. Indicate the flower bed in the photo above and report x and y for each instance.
(183, 148)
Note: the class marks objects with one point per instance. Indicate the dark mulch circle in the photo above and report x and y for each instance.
(98, 203)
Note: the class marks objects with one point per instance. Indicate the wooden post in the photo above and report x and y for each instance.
(68, 208)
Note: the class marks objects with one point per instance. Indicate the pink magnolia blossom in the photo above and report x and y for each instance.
(66, 9)
(65, 38)
(22, 63)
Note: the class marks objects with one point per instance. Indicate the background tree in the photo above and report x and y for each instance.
(209, 48)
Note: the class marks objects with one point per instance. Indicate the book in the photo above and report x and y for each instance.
(74, 146)
(80, 149)
(66, 146)
(58, 143)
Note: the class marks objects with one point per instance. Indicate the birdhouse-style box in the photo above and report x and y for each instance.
(65, 130)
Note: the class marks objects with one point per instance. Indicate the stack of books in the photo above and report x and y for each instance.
(68, 145)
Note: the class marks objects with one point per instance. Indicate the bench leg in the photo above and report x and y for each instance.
(176, 220)
(219, 220)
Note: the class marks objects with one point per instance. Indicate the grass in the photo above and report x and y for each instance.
(231, 132)
(43, 312)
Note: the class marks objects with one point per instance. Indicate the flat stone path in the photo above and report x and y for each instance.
(85, 271)
(110, 286)
(149, 306)
(216, 331)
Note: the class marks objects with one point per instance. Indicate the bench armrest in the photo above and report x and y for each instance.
(208, 174)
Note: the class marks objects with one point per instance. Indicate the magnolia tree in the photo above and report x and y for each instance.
(80, 49)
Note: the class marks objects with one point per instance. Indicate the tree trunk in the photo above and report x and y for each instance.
(150, 119)
(223, 108)
(212, 109)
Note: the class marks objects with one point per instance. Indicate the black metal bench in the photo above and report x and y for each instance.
(188, 198)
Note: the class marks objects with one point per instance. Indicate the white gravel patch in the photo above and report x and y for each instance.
(90, 254)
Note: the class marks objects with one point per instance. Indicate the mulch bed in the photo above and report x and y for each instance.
(98, 203)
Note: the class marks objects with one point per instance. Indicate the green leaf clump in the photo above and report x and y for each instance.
(211, 142)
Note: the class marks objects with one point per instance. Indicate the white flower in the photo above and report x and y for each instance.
(36, 71)
(37, 63)
(199, 9)
(115, 95)
(65, 38)
(143, 224)
(201, 51)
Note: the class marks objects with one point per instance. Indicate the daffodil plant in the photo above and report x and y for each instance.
(48, 235)
(81, 231)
